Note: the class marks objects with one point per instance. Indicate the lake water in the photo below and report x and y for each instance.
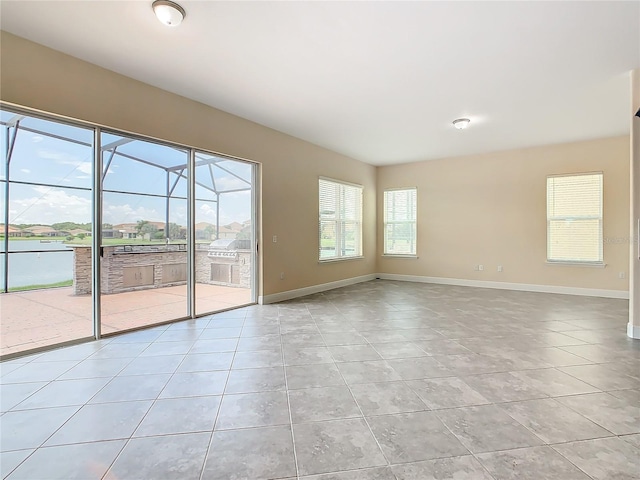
(36, 268)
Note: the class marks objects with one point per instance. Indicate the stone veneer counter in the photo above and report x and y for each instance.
(126, 268)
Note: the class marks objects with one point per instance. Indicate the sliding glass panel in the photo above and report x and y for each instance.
(224, 232)
(46, 229)
(46, 222)
(144, 250)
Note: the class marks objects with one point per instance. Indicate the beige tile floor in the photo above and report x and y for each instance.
(45, 317)
(377, 381)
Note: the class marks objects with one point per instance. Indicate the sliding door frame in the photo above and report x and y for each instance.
(96, 220)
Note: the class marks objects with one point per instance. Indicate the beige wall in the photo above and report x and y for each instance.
(491, 210)
(484, 209)
(634, 217)
(37, 77)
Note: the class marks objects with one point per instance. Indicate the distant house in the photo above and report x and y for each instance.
(226, 232)
(111, 233)
(125, 230)
(130, 230)
(79, 231)
(13, 231)
(205, 231)
(159, 225)
(235, 226)
(43, 231)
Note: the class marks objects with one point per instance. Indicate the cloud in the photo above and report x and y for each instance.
(236, 195)
(85, 167)
(125, 213)
(50, 205)
(66, 159)
(60, 157)
(230, 183)
(25, 170)
(47, 205)
(206, 212)
(229, 212)
(36, 139)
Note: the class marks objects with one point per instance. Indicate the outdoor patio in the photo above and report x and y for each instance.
(40, 318)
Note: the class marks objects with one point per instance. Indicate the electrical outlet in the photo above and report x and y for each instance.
(281, 275)
(621, 275)
(275, 239)
(499, 268)
(476, 267)
(481, 267)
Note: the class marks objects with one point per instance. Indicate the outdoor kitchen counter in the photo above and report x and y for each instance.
(126, 268)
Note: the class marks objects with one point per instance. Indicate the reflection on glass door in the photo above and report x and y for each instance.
(45, 232)
(144, 233)
(159, 260)
(224, 232)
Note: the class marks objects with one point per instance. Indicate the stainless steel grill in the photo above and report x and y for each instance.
(223, 248)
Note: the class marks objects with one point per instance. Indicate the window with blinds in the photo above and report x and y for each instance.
(574, 218)
(340, 229)
(400, 221)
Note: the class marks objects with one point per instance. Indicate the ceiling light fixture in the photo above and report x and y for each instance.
(461, 123)
(169, 13)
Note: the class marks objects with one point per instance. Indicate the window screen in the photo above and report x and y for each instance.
(574, 218)
(400, 221)
(340, 228)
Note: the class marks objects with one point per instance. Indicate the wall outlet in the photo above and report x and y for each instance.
(499, 268)
(481, 267)
(476, 267)
(275, 239)
(621, 275)
(281, 275)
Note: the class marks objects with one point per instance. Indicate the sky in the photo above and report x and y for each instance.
(38, 158)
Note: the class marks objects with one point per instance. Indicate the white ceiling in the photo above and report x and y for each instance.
(378, 81)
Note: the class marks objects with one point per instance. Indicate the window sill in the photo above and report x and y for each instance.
(577, 264)
(393, 255)
(339, 259)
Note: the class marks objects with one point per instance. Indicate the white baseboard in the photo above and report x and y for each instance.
(633, 331)
(523, 287)
(323, 287)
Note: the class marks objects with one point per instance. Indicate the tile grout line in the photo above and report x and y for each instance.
(500, 405)
(364, 418)
(153, 402)
(572, 463)
(68, 419)
(215, 421)
(286, 386)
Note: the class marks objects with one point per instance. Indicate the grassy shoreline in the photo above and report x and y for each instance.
(64, 283)
(87, 241)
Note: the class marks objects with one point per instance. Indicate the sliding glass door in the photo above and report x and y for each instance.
(45, 232)
(144, 235)
(224, 232)
(173, 230)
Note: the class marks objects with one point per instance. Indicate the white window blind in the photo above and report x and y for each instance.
(574, 218)
(400, 221)
(340, 228)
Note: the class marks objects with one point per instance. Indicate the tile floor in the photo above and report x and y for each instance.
(377, 381)
(40, 318)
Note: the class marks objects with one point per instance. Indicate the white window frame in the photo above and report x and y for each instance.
(412, 222)
(577, 218)
(339, 221)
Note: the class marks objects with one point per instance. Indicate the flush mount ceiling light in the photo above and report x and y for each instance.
(461, 123)
(169, 13)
